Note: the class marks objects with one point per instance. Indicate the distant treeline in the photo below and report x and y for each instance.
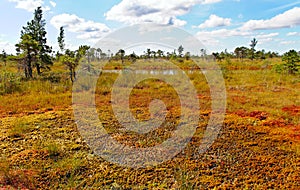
(33, 53)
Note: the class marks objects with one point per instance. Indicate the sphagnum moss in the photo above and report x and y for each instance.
(258, 147)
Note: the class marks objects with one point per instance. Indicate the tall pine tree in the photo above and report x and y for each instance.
(61, 39)
(29, 48)
(37, 32)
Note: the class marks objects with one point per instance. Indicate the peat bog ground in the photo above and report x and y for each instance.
(258, 146)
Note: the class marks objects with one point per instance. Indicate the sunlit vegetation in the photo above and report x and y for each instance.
(41, 148)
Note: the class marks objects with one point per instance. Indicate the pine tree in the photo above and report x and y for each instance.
(71, 60)
(29, 47)
(61, 39)
(292, 60)
(252, 45)
(36, 30)
(180, 50)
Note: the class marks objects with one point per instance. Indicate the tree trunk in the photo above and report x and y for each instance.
(74, 74)
(30, 70)
(38, 69)
(71, 75)
(29, 67)
(26, 71)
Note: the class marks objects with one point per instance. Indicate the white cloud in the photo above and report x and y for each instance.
(287, 42)
(264, 41)
(70, 44)
(209, 1)
(285, 6)
(75, 24)
(46, 8)
(222, 33)
(213, 39)
(7, 46)
(265, 38)
(53, 4)
(154, 11)
(215, 21)
(287, 19)
(293, 34)
(209, 42)
(28, 5)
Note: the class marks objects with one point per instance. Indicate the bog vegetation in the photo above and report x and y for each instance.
(41, 148)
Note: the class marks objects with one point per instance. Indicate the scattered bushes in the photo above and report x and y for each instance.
(50, 82)
(9, 83)
(279, 68)
(54, 77)
(292, 62)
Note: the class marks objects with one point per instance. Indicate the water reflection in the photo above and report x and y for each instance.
(155, 71)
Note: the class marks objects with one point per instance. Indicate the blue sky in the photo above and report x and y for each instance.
(218, 24)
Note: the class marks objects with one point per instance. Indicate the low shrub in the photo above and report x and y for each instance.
(9, 83)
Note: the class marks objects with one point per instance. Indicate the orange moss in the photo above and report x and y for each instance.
(293, 110)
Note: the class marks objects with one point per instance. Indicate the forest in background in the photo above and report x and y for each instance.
(34, 55)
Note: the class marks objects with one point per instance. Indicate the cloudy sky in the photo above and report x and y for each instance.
(218, 24)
